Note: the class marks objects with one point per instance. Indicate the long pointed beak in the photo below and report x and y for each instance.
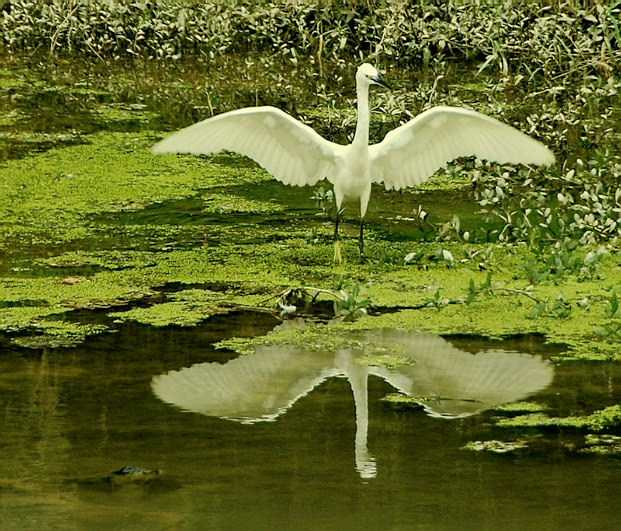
(379, 81)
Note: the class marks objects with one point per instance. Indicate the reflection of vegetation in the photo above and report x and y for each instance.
(602, 444)
(496, 447)
(537, 422)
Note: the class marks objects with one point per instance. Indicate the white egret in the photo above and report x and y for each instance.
(296, 155)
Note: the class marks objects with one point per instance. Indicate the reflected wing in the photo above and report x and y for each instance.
(289, 150)
(253, 388)
(413, 152)
(456, 383)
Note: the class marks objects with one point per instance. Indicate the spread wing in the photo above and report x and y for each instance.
(413, 152)
(289, 150)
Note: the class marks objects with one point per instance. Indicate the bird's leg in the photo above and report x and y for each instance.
(336, 225)
(338, 259)
(361, 242)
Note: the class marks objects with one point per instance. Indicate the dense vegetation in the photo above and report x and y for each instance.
(518, 37)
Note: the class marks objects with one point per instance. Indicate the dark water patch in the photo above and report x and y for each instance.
(38, 270)
(187, 211)
(17, 147)
(218, 287)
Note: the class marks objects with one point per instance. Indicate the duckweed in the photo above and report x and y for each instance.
(521, 407)
(167, 314)
(597, 421)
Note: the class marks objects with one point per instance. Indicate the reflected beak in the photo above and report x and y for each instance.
(379, 81)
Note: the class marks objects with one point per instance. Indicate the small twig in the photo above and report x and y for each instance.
(516, 291)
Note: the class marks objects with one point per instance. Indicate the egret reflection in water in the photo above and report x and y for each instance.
(448, 382)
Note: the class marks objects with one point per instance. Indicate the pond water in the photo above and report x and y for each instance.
(291, 439)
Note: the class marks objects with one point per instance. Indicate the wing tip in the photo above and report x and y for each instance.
(545, 157)
(550, 159)
(157, 149)
(163, 146)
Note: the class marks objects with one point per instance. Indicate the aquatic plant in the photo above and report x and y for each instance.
(558, 309)
(611, 327)
(348, 304)
(474, 290)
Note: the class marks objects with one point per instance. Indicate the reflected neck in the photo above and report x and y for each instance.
(365, 463)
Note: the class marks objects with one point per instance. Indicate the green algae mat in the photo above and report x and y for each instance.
(97, 231)
(173, 240)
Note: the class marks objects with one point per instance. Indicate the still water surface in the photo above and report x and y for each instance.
(296, 451)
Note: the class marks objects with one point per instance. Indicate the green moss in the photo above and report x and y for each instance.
(50, 198)
(40, 327)
(216, 203)
(101, 290)
(187, 308)
(610, 416)
(167, 314)
(521, 407)
(119, 223)
(22, 318)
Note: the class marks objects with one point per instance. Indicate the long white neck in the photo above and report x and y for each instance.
(362, 127)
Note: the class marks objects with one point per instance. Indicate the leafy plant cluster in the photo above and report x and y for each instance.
(348, 303)
(582, 206)
(611, 328)
(556, 38)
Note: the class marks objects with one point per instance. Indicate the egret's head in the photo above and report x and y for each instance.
(369, 75)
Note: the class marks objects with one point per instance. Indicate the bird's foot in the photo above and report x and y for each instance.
(338, 258)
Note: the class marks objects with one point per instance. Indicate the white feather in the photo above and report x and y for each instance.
(413, 152)
(288, 149)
